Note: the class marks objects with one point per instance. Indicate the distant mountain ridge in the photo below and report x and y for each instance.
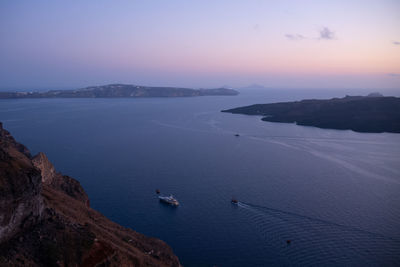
(373, 113)
(254, 86)
(122, 90)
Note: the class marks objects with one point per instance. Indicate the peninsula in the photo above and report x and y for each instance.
(122, 90)
(373, 113)
(46, 219)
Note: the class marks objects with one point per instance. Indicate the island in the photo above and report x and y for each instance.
(122, 90)
(371, 114)
(46, 219)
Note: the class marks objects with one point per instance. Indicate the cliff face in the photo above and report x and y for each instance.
(58, 181)
(21, 203)
(45, 220)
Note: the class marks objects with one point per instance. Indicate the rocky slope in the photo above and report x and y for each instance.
(56, 180)
(45, 220)
(21, 203)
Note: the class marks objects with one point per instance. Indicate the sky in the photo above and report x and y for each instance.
(206, 43)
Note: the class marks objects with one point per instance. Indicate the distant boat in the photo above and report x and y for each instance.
(234, 201)
(169, 200)
(157, 191)
(237, 135)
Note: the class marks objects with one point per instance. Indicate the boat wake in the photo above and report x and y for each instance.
(315, 240)
(282, 214)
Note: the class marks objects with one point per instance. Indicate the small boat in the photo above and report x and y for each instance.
(169, 200)
(234, 201)
(237, 135)
(157, 191)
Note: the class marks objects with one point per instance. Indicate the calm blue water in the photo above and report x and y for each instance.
(335, 194)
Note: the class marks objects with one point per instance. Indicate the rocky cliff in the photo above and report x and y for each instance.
(21, 203)
(45, 220)
(56, 180)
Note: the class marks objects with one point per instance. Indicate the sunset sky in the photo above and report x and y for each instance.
(280, 44)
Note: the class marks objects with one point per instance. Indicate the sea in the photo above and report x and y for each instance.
(334, 194)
